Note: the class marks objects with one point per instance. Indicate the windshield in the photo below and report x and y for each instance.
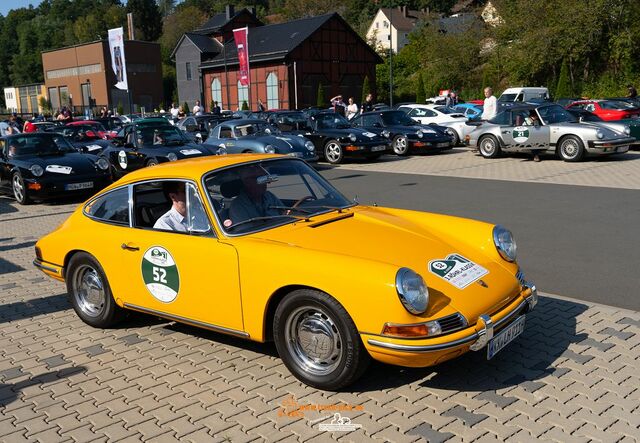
(291, 118)
(257, 128)
(555, 114)
(507, 98)
(331, 120)
(615, 105)
(446, 110)
(262, 195)
(37, 144)
(397, 118)
(160, 136)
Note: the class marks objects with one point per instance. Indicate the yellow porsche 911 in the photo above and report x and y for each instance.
(263, 247)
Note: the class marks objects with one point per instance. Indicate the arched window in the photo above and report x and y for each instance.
(216, 91)
(272, 91)
(243, 95)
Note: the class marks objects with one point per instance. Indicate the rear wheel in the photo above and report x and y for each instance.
(455, 138)
(333, 152)
(571, 149)
(20, 189)
(489, 147)
(152, 162)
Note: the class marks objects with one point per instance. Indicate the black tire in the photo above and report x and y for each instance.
(571, 149)
(152, 162)
(489, 146)
(400, 145)
(89, 292)
(455, 141)
(343, 359)
(333, 152)
(19, 188)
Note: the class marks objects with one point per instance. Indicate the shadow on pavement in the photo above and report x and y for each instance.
(10, 392)
(7, 205)
(34, 307)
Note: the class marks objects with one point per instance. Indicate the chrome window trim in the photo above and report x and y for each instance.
(109, 222)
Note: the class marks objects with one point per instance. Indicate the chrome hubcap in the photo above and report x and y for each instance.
(18, 188)
(487, 146)
(570, 148)
(400, 145)
(333, 152)
(88, 291)
(313, 340)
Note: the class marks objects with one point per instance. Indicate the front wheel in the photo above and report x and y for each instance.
(571, 149)
(489, 147)
(400, 145)
(152, 162)
(318, 341)
(89, 292)
(333, 152)
(19, 189)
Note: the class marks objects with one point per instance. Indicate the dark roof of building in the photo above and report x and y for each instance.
(218, 21)
(204, 43)
(402, 21)
(272, 42)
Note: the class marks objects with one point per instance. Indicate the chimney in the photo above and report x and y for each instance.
(405, 11)
(230, 11)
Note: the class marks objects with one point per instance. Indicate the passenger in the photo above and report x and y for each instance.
(534, 120)
(157, 138)
(254, 200)
(175, 219)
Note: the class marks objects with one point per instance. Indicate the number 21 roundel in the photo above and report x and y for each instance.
(160, 274)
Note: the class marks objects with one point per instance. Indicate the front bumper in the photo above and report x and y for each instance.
(431, 145)
(431, 351)
(48, 188)
(359, 148)
(604, 147)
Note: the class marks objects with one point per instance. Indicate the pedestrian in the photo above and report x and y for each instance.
(533, 120)
(104, 112)
(448, 100)
(181, 113)
(216, 109)
(261, 107)
(29, 126)
(9, 127)
(454, 99)
(197, 109)
(632, 91)
(352, 109)
(367, 106)
(338, 105)
(490, 104)
(174, 111)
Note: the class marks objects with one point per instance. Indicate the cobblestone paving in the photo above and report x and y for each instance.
(620, 171)
(572, 376)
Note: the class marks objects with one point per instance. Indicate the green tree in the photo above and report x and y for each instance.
(366, 88)
(146, 19)
(245, 105)
(321, 100)
(185, 107)
(166, 7)
(563, 89)
(420, 93)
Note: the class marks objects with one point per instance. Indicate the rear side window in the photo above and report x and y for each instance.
(112, 207)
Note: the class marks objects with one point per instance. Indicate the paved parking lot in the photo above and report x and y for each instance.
(572, 376)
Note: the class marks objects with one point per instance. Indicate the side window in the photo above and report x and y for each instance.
(357, 122)
(370, 120)
(112, 207)
(519, 98)
(502, 119)
(590, 107)
(225, 132)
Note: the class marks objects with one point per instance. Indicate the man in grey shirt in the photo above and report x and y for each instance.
(175, 219)
(255, 200)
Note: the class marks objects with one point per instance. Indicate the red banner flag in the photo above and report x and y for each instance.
(241, 37)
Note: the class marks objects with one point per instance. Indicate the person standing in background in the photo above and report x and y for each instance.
(490, 104)
(367, 106)
(352, 109)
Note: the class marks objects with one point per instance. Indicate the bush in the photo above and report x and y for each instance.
(420, 93)
(366, 88)
(245, 105)
(563, 89)
(120, 108)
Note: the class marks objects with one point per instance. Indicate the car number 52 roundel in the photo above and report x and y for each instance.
(160, 274)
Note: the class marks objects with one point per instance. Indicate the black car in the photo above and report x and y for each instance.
(40, 166)
(199, 126)
(151, 145)
(289, 121)
(405, 134)
(113, 124)
(335, 139)
(84, 138)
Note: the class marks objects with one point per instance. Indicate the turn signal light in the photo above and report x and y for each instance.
(352, 148)
(34, 186)
(419, 330)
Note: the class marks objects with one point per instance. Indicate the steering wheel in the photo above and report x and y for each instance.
(302, 200)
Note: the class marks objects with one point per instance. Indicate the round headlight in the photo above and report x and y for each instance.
(627, 130)
(102, 164)
(600, 134)
(309, 145)
(353, 137)
(412, 291)
(419, 134)
(36, 170)
(221, 151)
(386, 134)
(172, 157)
(505, 244)
(269, 149)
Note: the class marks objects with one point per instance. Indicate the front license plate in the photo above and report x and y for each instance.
(505, 337)
(622, 148)
(76, 186)
(442, 145)
(378, 148)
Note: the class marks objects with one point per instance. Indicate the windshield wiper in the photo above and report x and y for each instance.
(291, 208)
(267, 217)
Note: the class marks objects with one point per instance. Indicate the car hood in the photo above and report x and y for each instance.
(56, 165)
(283, 143)
(411, 239)
(362, 135)
(596, 126)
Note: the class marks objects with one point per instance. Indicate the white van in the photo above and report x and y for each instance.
(524, 94)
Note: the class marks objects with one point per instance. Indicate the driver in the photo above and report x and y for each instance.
(175, 218)
(254, 200)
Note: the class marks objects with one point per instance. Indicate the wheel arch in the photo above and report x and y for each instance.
(497, 137)
(68, 257)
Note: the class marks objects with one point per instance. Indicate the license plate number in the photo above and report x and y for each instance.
(505, 337)
(378, 148)
(76, 186)
(442, 145)
(622, 148)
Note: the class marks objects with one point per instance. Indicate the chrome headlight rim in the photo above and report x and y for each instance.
(270, 149)
(310, 146)
(352, 137)
(419, 133)
(172, 157)
(627, 130)
(36, 170)
(505, 243)
(416, 300)
(600, 134)
(102, 164)
(386, 133)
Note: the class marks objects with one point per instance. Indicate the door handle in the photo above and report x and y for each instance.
(129, 247)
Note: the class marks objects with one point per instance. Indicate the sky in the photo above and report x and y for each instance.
(7, 5)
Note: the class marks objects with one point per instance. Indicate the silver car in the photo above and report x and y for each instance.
(547, 127)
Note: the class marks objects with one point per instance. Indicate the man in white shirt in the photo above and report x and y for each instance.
(174, 111)
(197, 109)
(175, 219)
(490, 104)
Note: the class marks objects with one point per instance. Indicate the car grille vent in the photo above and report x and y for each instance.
(520, 277)
(452, 323)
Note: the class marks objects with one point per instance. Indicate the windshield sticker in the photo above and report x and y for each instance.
(520, 134)
(160, 274)
(59, 169)
(122, 159)
(190, 151)
(457, 270)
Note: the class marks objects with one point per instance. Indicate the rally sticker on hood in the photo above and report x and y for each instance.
(160, 274)
(457, 270)
(190, 151)
(93, 147)
(59, 169)
(122, 159)
(369, 134)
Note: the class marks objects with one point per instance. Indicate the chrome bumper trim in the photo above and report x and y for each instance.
(39, 265)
